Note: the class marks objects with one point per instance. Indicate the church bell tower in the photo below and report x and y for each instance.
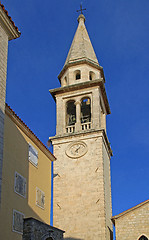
(82, 183)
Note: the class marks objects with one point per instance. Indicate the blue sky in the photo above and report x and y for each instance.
(119, 31)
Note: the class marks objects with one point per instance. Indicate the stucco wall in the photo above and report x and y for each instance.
(3, 73)
(16, 159)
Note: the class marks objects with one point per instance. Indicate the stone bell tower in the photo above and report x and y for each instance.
(82, 184)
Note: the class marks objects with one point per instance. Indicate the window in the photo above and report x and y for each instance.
(65, 81)
(17, 222)
(143, 238)
(77, 74)
(40, 198)
(71, 113)
(20, 185)
(85, 110)
(91, 75)
(33, 155)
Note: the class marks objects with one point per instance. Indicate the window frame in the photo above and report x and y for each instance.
(38, 189)
(29, 157)
(14, 210)
(24, 196)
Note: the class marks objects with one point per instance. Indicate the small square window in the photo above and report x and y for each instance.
(40, 198)
(17, 221)
(20, 184)
(33, 155)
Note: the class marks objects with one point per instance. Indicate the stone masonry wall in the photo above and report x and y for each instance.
(79, 191)
(107, 190)
(36, 230)
(133, 224)
(3, 73)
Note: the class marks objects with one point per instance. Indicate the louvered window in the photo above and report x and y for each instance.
(18, 221)
(33, 155)
(40, 198)
(20, 184)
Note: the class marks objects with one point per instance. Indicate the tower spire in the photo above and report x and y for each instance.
(81, 49)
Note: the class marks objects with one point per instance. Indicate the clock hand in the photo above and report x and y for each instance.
(77, 149)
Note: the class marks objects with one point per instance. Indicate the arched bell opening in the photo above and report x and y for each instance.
(65, 81)
(91, 75)
(85, 110)
(77, 75)
(71, 113)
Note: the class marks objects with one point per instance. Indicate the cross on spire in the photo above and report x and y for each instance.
(81, 10)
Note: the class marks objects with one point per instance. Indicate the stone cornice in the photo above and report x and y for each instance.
(8, 26)
(12, 115)
(83, 85)
(87, 132)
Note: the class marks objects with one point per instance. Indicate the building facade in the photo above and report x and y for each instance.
(25, 192)
(133, 223)
(82, 183)
(8, 31)
(25, 164)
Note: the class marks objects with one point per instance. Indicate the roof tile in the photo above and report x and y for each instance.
(6, 12)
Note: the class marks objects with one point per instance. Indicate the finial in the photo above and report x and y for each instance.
(81, 16)
(81, 10)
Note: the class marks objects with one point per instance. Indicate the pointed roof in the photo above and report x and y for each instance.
(81, 47)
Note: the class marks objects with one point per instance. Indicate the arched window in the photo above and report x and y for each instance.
(143, 238)
(85, 110)
(91, 75)
(65, 81)
(77, 74)
(71, 113)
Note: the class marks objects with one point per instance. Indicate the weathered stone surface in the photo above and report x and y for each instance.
(82, 189)
(35, 230)
(81, 47)
(133, 223)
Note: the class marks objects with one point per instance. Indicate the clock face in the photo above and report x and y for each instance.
(76, 149)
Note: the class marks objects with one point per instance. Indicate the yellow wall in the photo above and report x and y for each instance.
(16, 159)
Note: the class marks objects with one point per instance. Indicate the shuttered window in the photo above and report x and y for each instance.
(40, 198)
(20, 184)
(17, 221)
(33, 155)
